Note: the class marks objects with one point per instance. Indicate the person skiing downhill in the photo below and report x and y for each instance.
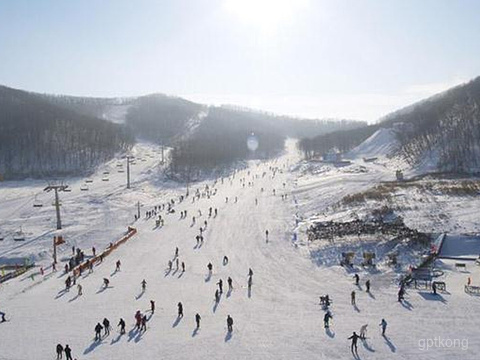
(197, 320)
(59, 351)
(180, 309)
(354, 339)
(229, 323)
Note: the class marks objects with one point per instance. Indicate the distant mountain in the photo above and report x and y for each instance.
(56, 135)
(444, 128)
(40, 139)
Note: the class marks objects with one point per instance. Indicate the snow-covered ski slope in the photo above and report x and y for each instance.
(280, 319)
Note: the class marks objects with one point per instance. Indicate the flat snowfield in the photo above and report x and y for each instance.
(280, 318)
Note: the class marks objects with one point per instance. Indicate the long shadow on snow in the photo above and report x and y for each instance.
(177, 321)
(389, 343)
(92, 346)
(117, 339)
(330, 333)
(140, 295)
(367, 346)
(406, 304)
(435, 297)
(195, 332)
(228, 336)
(74, 298)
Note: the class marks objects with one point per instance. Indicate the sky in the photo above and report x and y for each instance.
(355, 59)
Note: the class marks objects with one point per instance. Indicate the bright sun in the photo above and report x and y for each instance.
(266, 15)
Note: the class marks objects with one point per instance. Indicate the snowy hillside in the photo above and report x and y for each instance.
(279, 318)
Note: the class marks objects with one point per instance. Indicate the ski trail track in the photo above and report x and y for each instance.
(281, 319)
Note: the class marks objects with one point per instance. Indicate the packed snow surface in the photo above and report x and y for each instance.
(279, 319)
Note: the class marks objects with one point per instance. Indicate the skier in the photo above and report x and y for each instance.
(229, 281)
(229, 323)
(93, 251)
(197, 320)
(183, 267)
(216, 212)
(176, 263)
(169, 265)
(249, 283)
(250, 272)
(144, 285)
(121, 323)
(98, 331)
(363, 331)
(354, 339)
(220, 285)
(144, 323)
(79, 288)
(367, 285)
(106, 326)
(138, 319)
(106, 282)
(383, 324)
(225, 260)
(217, 296)
(401, 294)
(326, 319)
(176, 253)
(117, 266)
(152, 306)
(59, 351)
(266, 236)
(353, 297)
(68, 352)
(357, 279)
(434, 288)
(210, 267)
(180, 309)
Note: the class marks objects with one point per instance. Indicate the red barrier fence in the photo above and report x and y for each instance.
(99, 258)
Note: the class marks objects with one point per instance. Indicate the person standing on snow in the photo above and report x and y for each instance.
(326, 319)
(229, 323)
(152, 306)
(144, 323)
(230, 281)
(363, 331)
(106, 326)
(118, 264)
(210, 267)
(353, 297)
(353, 347)
(121, 323)
(68, 352)
(220, 285)
(180, 309)
(197, 320)
(59, 351)
(383, 324)
(367, 285)
(357, 279)
(79, 288)
(98, 332)
(144, 284)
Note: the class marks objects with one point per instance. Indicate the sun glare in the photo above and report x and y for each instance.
(265, 15)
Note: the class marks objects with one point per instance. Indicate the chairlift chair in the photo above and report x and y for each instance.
(37, 203)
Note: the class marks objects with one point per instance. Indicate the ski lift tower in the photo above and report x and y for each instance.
(57, 188)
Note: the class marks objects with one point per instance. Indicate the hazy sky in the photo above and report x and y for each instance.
(351, 59)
